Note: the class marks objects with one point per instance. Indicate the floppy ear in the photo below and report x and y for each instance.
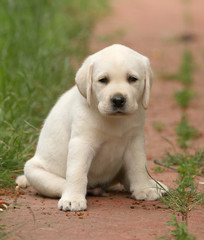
(83, 79)
(147, 84)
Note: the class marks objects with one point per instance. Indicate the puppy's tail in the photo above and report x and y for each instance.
(22, 181)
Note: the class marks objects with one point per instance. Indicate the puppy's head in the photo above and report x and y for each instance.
(116, 80)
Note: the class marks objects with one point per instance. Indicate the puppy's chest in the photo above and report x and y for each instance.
(111, 150)
(108, 160)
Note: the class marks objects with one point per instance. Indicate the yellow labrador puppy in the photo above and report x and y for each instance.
(94, 135)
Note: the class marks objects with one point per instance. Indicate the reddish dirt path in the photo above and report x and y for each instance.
(148, 27)
(151, 28)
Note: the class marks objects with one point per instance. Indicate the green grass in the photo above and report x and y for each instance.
(158, 169)
(180, 231)
(184, 196)
(185, 74)
(175, 158)
(159, 126)
(183, 97)
(185, 133)
(185, 71)
(3, 232)
(38, 40)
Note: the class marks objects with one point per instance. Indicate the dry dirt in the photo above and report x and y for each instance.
(151, 28)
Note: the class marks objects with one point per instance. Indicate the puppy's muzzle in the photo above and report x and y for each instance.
(118, 101)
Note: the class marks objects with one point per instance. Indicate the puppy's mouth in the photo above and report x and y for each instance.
(118, 112)
(113, 111)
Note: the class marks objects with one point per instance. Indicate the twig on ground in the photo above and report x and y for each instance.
(163, 165)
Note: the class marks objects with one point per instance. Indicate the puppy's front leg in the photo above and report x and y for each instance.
(137, 180)
(80, 155)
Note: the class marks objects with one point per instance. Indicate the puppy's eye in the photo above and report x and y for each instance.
(103, 80)
(132, 79)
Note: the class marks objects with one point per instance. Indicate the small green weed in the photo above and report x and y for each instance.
(180, 231)
(184, 197)
(158, 169)
(185, 71)
(185, 133)
(159, 126)
(181, 158)
(183, 97)
(3, 232)
(185, 74)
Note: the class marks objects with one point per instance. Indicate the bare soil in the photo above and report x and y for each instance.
(155, 29)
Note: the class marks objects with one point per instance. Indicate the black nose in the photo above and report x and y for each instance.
(118, 100)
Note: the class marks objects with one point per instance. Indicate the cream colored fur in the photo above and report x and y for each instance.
(86, 142)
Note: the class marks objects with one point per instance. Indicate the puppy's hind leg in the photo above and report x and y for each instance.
(45, 183)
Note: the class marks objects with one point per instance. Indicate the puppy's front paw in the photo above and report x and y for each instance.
(146, 193)
(72, 203)
(150, 192)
